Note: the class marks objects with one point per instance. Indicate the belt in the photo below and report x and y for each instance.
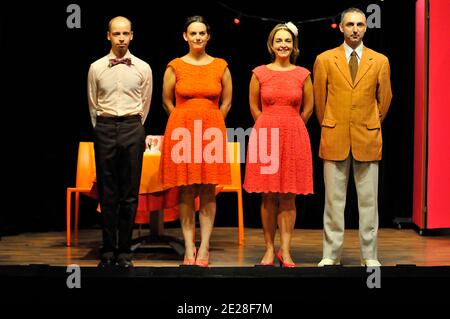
(115, 119)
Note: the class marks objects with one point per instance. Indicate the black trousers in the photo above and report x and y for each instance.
(119, 144)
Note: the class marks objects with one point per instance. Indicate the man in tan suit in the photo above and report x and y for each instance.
(352, 94)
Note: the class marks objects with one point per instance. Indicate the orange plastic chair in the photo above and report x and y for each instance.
(235, 186)
(84, 181)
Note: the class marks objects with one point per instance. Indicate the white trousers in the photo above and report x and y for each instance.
(336, 180)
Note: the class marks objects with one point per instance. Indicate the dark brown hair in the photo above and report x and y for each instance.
(193, 19)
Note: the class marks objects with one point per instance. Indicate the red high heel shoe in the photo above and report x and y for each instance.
(190, 261)
(282, 263)
(203, 262)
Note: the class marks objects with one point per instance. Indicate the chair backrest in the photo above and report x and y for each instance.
(235, 163)
(85, 165)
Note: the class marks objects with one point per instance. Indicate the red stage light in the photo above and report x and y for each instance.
(236, 21)
(334, 25)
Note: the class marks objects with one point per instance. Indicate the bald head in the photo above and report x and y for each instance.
(119, 34)
(119, 20)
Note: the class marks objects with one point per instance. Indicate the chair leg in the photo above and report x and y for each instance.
(240, 218)
(68, 208)
(77, 206)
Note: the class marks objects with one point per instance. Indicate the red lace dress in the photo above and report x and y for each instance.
(279, 151)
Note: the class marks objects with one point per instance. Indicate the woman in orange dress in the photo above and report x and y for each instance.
(197, 93)
(281, 102)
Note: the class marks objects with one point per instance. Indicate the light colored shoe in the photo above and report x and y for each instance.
(370, 263)
(328, 262)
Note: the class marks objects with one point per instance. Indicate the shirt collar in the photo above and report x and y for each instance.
(349, 50)
(111, 55)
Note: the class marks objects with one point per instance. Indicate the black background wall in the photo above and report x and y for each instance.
(45, 112)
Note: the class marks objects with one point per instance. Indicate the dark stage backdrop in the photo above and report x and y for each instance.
(45, 111)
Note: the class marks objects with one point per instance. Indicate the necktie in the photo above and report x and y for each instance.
(353, 64)
(113, 62)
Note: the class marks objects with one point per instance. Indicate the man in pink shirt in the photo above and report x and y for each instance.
(119, 95)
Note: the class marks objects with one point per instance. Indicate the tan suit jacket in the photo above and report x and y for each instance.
(351, 113)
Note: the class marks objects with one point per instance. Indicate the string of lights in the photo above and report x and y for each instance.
(239, 15)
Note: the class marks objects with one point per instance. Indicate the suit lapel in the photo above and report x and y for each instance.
(342, 65)
(364, 65)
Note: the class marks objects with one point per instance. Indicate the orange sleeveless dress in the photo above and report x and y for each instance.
(194, 149)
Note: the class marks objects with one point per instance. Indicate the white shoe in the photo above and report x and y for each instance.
(328, 262)
(370, 263)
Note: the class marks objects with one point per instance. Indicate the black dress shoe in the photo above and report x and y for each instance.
(125, 264)
(107, 263)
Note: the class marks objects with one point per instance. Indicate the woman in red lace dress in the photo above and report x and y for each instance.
(279, 163)
(197, 93)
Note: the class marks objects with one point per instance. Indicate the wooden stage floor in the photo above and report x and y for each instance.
(395, 247)
(35, 266)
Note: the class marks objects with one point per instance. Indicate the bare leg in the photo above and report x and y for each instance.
(186, 208)
(286, 224)
(269, 210)
(207, 215)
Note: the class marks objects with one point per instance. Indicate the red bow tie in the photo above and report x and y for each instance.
(113, 62)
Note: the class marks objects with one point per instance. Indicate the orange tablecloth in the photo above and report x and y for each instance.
(152, 195)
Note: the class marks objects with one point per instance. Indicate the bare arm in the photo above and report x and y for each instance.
(168, 97)
(227, 93)
(308, 100)
(255, 97)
